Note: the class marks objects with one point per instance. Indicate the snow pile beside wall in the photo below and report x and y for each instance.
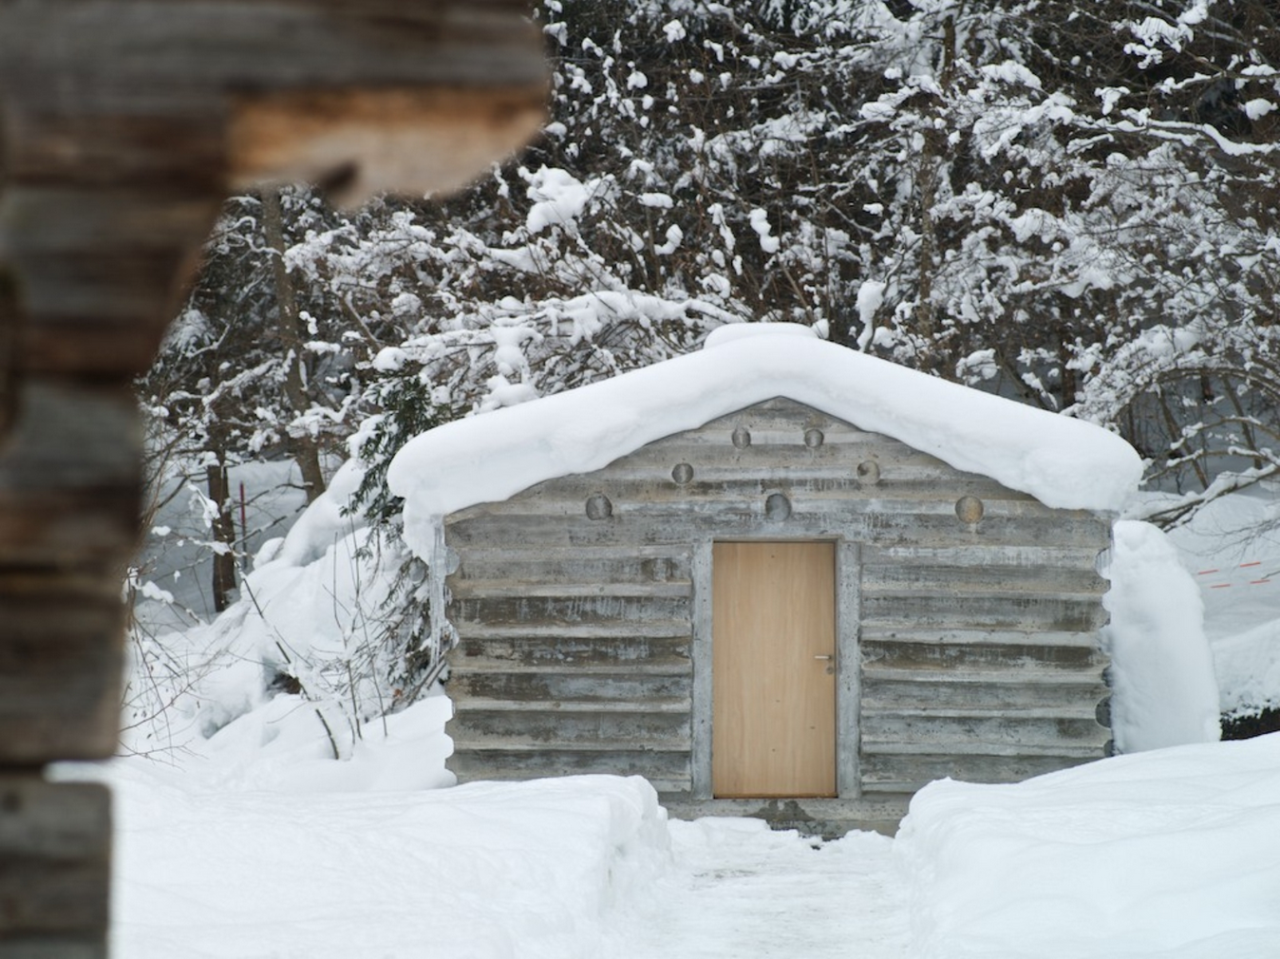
(528, 870)
(282, 746)
(1163, 687)
(1248, 666)
(1233, 544)
(312, 619)
(1170, 853)
(323, 523)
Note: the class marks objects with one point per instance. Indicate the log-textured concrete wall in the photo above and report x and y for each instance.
(577, 608)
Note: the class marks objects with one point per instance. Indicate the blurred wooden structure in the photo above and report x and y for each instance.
(124, 124)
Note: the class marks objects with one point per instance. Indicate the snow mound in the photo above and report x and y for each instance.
(1248, 667)
(1232, 545)
(1062, 462)
(502, 870)
(325, 521)
(733, 332)
(284, 746)
(1163, 687)
(319, 608)
(1167, 854)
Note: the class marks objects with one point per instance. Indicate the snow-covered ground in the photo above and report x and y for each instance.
(251, 841)
(482, 870)
(1233, 552)
(581, 868)
(1169, 853)
(1172, 853)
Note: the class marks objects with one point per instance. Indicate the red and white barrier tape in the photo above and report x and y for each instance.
(1228, 571)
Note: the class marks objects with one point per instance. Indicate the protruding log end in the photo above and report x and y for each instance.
(362, 142)
(970, 510)
(777, 508)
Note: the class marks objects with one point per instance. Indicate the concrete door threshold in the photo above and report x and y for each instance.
(828, 818)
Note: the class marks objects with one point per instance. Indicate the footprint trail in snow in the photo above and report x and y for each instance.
(736, 890)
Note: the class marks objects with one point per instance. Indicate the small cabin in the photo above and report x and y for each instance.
(777, 577)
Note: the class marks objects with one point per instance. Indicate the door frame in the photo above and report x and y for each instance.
(848, 663)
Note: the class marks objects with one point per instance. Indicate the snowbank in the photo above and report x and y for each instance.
(1163, 687)
(325, 521)
(1168, 854)
(492, 870)
(1062, 462)
(1248, 667)
(317, 608)
(1232, 546)
(283, 746)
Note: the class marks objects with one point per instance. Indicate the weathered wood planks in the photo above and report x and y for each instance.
(413, 97)
(55, 848)
(667, 770)
(61, 661)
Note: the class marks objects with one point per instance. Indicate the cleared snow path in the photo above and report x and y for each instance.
(738, 891)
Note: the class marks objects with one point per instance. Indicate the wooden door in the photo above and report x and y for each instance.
(773, 724)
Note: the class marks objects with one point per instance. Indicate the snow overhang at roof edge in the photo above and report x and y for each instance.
(1063, 462)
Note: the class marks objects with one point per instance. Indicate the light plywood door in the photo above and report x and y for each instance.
(773, 723)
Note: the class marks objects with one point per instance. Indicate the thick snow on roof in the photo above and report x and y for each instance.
(1060, 461)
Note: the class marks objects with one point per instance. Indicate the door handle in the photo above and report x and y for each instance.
(822, 656)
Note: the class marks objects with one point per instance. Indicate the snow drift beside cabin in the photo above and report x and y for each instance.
(1163, 687)
(1062, 462)
(1167, 854)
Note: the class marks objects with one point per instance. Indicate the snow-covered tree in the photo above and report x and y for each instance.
(261, 362)
(1070, 203)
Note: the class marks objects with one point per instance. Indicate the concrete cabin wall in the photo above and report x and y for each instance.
(967, 646)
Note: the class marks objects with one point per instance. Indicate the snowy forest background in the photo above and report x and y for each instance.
(1073, 204)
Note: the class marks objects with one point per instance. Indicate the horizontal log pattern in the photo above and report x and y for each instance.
(572, 663)
(55, 843)
(125, 122)
(978, 641)
(160, 57)
(188, 98)
(668, 771)
(61, 659)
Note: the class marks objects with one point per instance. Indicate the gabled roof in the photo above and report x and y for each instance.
(1062, 462)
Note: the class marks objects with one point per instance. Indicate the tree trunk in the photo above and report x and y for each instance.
(931, 161)
(224, 534)
(305, 451)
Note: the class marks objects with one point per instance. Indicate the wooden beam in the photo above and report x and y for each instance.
(61, 659)
(55, 850)
(411, 97)
(436, 139)
(122, 125)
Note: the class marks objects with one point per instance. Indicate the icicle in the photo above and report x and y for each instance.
(437, 569)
